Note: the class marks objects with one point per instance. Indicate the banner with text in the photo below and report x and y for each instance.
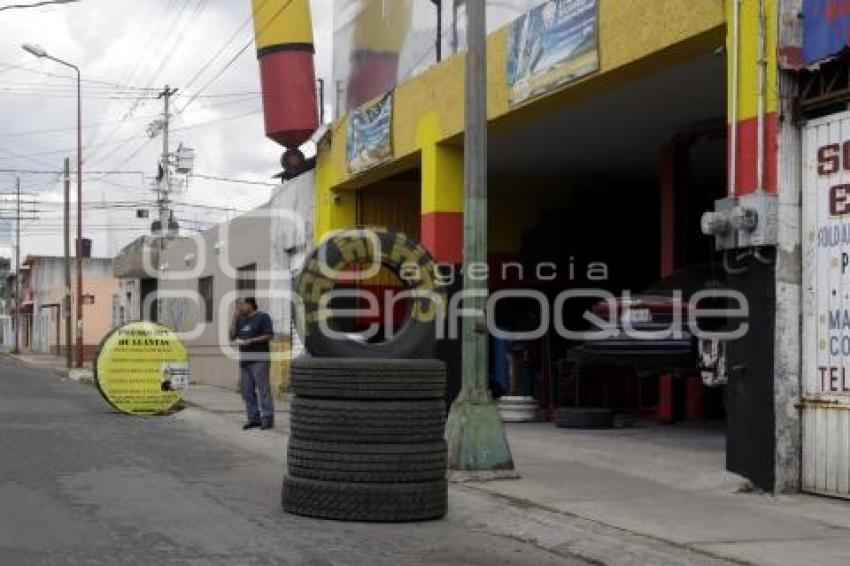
(142, 368)
(552, 45)
(369, 141)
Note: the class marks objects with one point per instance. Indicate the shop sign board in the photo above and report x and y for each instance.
(142, 368)
(552, 45)
(369, 140)
(826, 306)
(826, 29)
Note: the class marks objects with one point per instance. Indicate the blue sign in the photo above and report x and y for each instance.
(826, 29)
(369, 141)
(553, 44)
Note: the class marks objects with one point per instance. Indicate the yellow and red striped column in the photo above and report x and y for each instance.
(747, 99)
(380, 32)
(442, 193)
(283, 33)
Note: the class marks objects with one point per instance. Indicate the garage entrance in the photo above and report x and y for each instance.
(607, 194)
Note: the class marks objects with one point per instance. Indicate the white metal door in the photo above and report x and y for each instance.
(826, 306)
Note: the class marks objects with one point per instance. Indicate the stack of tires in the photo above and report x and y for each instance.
(367, 428)
(366, 440)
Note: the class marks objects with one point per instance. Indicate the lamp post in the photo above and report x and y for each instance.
(477, 445)
(41, 53)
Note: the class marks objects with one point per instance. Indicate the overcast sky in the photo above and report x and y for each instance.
(134, 43)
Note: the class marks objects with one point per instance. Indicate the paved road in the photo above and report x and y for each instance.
(80, 484)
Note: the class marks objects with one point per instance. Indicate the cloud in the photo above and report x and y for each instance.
(140, 43)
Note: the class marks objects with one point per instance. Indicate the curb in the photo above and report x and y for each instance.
(80, 376)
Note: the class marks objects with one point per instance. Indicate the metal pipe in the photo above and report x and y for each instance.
(477, 445)
(40, 52)
(475, 223)
(762, 68)
(66, 299)
(79, 218)
(18, 271)
(733, 134)
(438, 46)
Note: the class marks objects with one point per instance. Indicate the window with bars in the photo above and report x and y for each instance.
(205, 290)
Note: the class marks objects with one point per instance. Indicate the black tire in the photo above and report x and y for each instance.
(589, 418)
(367, 463)
(398, 253)
(372, 502)
(368, 422)
(331, 378)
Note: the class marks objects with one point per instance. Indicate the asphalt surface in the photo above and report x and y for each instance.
(82, 484)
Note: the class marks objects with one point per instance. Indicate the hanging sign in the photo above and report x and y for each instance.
(369, 141)
(826, 29)
(142, 368)
(552, 45)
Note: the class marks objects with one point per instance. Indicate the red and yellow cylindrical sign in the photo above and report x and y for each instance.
(283, 32)
(380, 32)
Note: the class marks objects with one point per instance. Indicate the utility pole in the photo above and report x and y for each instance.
(41, 53)
(66, 299)
(18, 215)
(18, 268)
(165, 182)
(478, 446)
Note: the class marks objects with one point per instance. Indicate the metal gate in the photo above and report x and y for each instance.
(826, 306)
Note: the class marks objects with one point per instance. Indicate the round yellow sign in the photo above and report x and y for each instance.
(142, 368)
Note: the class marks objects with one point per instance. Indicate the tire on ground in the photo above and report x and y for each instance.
(372, 463)
(585, 418)
(409, 261)
(368, 422)
(373, 502)
(376, 379)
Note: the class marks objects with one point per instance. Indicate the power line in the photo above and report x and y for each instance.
(146, 118)
(8, 92)
(221, 50)
(196, 77)
(174, 15)
(235, 57)
(36, 4)
(231, 180)
(124, 141)
(70, 77)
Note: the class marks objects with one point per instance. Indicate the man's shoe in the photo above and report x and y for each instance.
(267, 424)
(251, 424)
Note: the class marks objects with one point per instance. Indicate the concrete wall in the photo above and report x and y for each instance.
(787, 379)
(47, 282)
(275, 237)
(291, 237)
(214, 253)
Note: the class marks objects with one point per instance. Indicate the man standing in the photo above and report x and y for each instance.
(252, 331)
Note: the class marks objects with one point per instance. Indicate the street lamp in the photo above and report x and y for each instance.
(41, 53)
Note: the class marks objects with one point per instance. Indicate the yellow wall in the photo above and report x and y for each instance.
(636, 38)
(748, 57)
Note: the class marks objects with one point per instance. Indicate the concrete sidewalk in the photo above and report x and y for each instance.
(57, 364)
(642, 495)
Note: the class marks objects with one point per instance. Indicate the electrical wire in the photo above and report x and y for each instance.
(176, 12)
(14, 66)
(36, 4)
(232, 180)
(236, 56)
